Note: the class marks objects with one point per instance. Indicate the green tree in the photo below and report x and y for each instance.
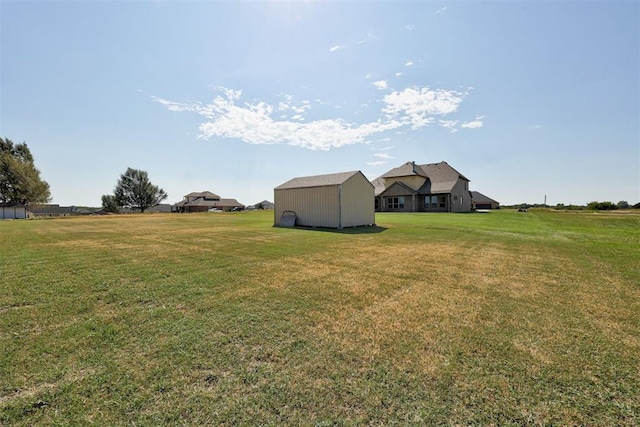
(623, 204)
(135, 191)
(109, 203)
(602, 206)
(20, 181)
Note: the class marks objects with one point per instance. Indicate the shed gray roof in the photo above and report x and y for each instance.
(318, 180)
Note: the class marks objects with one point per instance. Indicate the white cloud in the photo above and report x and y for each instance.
(376, 163)
(380, 84)
(383, 156)
(337, 47)
(449, 124)
(408, 27)
(475, 124)
(417, 106)
(254, 124)
(439, 11)
(367, 38)
(534, 127)
(257, 122)
(398, 74)
(408, 64)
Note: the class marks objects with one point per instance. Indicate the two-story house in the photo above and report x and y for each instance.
(205, 201)
(433, 187)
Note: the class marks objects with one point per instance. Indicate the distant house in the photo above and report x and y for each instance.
(205, 201)
(335, 200)
(50, 211)
(13, 211)
(480, 201)
(161, 208)
(265, 204)
(433, 187)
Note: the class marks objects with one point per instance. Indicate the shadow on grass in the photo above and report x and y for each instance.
(369, 229)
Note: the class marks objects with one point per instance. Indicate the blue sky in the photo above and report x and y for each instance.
(525, 99)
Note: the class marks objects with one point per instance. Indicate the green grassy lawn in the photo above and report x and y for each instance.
(500, 318)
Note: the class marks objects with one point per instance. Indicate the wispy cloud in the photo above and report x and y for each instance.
(258, 122)
(376, 163)
(534, 127)
(449, 124)
(399, 73)
(366, 39)
(383, 156)
(408, 27)
(475, 124)
(439, 11)
(417, 106)
(380, 84)
(408, 64)
(369, 37)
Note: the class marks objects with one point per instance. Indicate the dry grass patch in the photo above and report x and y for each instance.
(224, 320)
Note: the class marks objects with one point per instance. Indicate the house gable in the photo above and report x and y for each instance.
(398, 189)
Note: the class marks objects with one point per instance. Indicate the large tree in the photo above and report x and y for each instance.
(20, 181)
(110, 204)
(135, 191)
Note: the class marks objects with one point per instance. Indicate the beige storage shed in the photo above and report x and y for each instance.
(336, 200)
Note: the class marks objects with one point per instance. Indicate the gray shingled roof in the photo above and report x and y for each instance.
(478, 197)
(205, 194)
(442, 176)
(231, 202)
(378, 185)
(317, 180)
(50, 210)
(210, 203)
(406, 169)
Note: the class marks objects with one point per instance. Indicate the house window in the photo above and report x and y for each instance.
(461, 199)
(434, 201)
(443, 201)
(395, 203)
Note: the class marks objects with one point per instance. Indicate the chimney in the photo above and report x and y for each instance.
(413, 167)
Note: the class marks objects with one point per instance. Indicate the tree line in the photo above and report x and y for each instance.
(21, 184)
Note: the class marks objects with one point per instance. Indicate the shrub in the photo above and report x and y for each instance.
(602, 206)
